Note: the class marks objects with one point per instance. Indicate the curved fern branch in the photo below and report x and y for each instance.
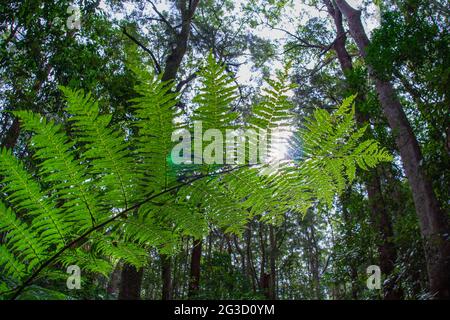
(122, 214)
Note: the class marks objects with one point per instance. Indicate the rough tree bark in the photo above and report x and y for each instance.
(433, 221)
(11, 135)
(314, 259)
(380, 217)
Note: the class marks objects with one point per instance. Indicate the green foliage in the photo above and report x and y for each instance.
(224, 281)
(155, 110)
(86, 179)
(93, 170)
(105, 149)
(333, 151)
(217, 92)
(60, 169)
(412, 46)
(410, 39)
(23, 243)
(26, 195)
(275, 109)
(40, 293)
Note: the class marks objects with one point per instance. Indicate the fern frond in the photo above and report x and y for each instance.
(273, 118)
(10, 266)
(127, 251)
(26, 195)
(61, 170)
(216, 93)
(333, 151)
(21, 239)
(106, 149)
(88, 261)
(155, 111)
(275, 109)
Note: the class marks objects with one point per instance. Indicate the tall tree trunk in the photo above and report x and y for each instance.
(264, 278)
(348, 234)
(314, 252)
(179, 48)
(166, 276)
(272, 263)
(173, 62)
(241, 254)
(433, 221)
(251, 272)
(130, 285)
(194, 279)
(386, 247)
(177, 273)
(354, 277)
(11, 135)
(380, 217)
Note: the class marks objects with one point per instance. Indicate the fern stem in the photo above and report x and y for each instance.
(49, 261)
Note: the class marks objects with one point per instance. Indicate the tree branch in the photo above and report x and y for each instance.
(162, 17)
(157, 66)
(183, 82)
(304, 42)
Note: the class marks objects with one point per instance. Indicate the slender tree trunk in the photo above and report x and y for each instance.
(348, 234)
(354, 277)
(166, 276)
(272, 263)
(264, 278)
(314, 261)
(433, 221)
(251, 272)
(186, 266)
(176, 278)
(173, 62)
(194, 280)
(386, 247)
(241, 253)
